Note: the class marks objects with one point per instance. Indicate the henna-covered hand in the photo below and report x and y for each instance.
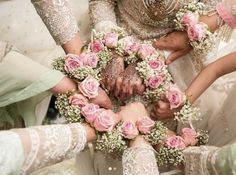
(129, 83)
(114, 68)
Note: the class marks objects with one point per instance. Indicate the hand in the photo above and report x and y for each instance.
(90, 132)
(133, 112)
(162, 111)
(176, 42)
(137, 141)
(114, 68)
(116, 116)
(129, 83)
(102, 99)
(73, 46)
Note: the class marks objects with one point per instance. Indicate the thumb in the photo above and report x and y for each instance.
(173, 56)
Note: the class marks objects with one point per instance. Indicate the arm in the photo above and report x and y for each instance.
(61, 23)
(178, 42)
(224, 65)
(139, 159)
(37, 147)
(210, 160)
(102, 13)
(207, 76)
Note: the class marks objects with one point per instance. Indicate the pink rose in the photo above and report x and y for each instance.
(111, 40)
(129, 45)
(90, 59)
(78, 100)
(175, 97)
(196, 32)
(104, 121)
(155, 81)
(156, 64)
(72, 62)
(129, 130)
(190, 19)
(175, 142)
(145, 125)
(134, 48)
(90, 112)
(145, 50)
(96, 46)
(89, 87)
(189, 135)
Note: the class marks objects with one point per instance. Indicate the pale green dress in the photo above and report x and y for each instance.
(24, 87)
(25, 81)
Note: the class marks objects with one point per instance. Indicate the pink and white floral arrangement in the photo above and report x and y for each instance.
(114, 136)
(200, 37)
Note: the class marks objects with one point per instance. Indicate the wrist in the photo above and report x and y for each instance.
(210, 21)
(73, 46)
(139, 140)
(91, 135)
(65, 85)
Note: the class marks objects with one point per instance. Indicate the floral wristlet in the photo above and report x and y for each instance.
(200, 38)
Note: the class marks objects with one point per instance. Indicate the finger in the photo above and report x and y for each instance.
(162, 106)
(119, 81)
(141, 89)
(174, 55)
(162, 44)
(111, 84)
(104, 81)
(130, 91)
(124, 90)
(138, 87)
(157, 116)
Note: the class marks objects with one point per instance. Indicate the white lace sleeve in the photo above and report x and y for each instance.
(58, 18)
(46, 145)
(197, 160)
(102, 13)
(139, 161)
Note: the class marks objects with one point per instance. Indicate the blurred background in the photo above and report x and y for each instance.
(22, 27)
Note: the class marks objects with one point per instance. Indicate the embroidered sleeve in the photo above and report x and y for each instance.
(198, 160)
(223, 160)
(102, 13)
(50, 144)
(58, 18)
(139, 161)
(210, 4)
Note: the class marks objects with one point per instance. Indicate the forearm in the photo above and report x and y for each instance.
(73, 46)
(224, 65)
(201, 83)
(61, 23)
(46, 145)
(65, 85)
